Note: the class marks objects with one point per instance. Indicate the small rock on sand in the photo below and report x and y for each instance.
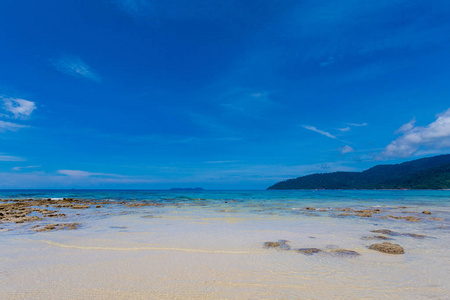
(281, 245)
(387, 247)
(78, 206)
(364, 215)
(50, 227)
(407, 218)
(309, 251)
(376, 237)
(383, 231)
(345, 252)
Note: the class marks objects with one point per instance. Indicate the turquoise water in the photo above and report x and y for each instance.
(326, 197)
(208, 245)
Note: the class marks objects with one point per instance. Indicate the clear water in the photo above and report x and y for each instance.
(208, 245)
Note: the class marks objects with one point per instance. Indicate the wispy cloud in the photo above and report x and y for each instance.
(327, 134)
(40, 179)
(346, 149)
(25, 167)
(4, 157)
(8, 126)
(74, 66)
(79, 174)
(357, 124)
(344, 129)
(17, 108)
(221, 161)
(406, 127)
(435, 135)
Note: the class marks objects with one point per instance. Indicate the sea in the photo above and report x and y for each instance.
(192, 244)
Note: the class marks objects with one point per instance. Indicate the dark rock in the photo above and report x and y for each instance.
(387, 247)
(426, 212)
(345, 252)
(271, 244)
(77, 206)
(344, 215)
(407, 218)
(383, 231)
(414, 235)
(50, 227)
(281, 245)
(346, 209)
(309, 251)
(364, 215)
(376, 237)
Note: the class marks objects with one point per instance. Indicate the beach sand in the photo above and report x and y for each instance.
(216, 251)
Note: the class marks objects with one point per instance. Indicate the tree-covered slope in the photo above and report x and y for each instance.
(425, 173)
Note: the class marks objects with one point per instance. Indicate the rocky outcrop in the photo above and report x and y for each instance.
(387, 247)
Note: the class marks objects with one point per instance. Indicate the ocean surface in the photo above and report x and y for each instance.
(209, 245)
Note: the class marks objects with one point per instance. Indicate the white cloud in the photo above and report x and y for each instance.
(4, 126)
(406, 127)
(344, 129)
(10, 158)
(18, 108)
(435, 135)
(327, 134)
(25, 167)
(357, 124)
(80, 174)
(74, 66)
(346, 149)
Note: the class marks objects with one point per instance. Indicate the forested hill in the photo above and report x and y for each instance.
(425, 173)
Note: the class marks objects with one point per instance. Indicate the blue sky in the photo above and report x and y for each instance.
(217, 94)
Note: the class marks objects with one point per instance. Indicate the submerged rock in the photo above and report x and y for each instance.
(346, 209)
(437, 219)
(392, 233)
(376, 237)
(383, 231)
(344, 215)
(387, 247)
(344, 252)
(368, 211)
(414, 235)
(281, 245)
(309, 251)
(50, 227)
(364, 215)
(78, 206)
(407, 218)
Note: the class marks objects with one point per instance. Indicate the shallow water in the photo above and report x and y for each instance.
(209, 245)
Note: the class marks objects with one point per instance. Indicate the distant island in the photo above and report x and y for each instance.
(186, 189)
(425, 173)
